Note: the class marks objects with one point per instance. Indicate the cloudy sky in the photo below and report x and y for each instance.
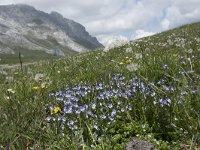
(130, 19)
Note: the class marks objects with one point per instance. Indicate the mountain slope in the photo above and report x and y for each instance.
(183, 38)
(22, 26)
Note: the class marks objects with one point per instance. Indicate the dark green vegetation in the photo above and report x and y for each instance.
(14, 59)
(99, 100)
(34, 55)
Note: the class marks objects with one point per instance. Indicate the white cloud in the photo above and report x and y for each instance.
(165, 24)
(133, 15)
(140, 34)
(181, 12)
(111, 41)
(107, 40)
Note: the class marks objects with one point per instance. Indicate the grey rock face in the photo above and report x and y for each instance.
(137, 144)
(56, 52)
(22, 26)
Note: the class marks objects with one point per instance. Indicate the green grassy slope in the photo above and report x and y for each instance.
(148, 89)
(35, 55)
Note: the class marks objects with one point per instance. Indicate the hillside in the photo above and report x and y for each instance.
(148, 89)
(38, 34)
(183, 38)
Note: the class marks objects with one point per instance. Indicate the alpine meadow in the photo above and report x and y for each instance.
(146, 89)
(61, 89)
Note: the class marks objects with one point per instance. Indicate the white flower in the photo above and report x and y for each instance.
(190, 51)
(4, 73)
(138, 56)
(128, 50)
(11, 91)
(147, 49)
(39, 76)
(29, 71)
(9, 79)
(133, 67)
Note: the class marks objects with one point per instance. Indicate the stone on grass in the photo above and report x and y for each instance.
(137, 144)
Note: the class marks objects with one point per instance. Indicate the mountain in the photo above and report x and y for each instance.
(25, 29)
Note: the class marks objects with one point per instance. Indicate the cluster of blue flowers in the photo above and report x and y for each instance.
(104, 102)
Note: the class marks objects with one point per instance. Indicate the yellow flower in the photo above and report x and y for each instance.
(36, 87)
(121, 63)
(128, 61)
(43, 86)
(40, 87)
(56, 110)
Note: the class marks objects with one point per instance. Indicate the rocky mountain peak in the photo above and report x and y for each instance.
(55, 14)
(26, 27)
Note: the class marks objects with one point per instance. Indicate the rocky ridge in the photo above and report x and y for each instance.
(24, 27)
